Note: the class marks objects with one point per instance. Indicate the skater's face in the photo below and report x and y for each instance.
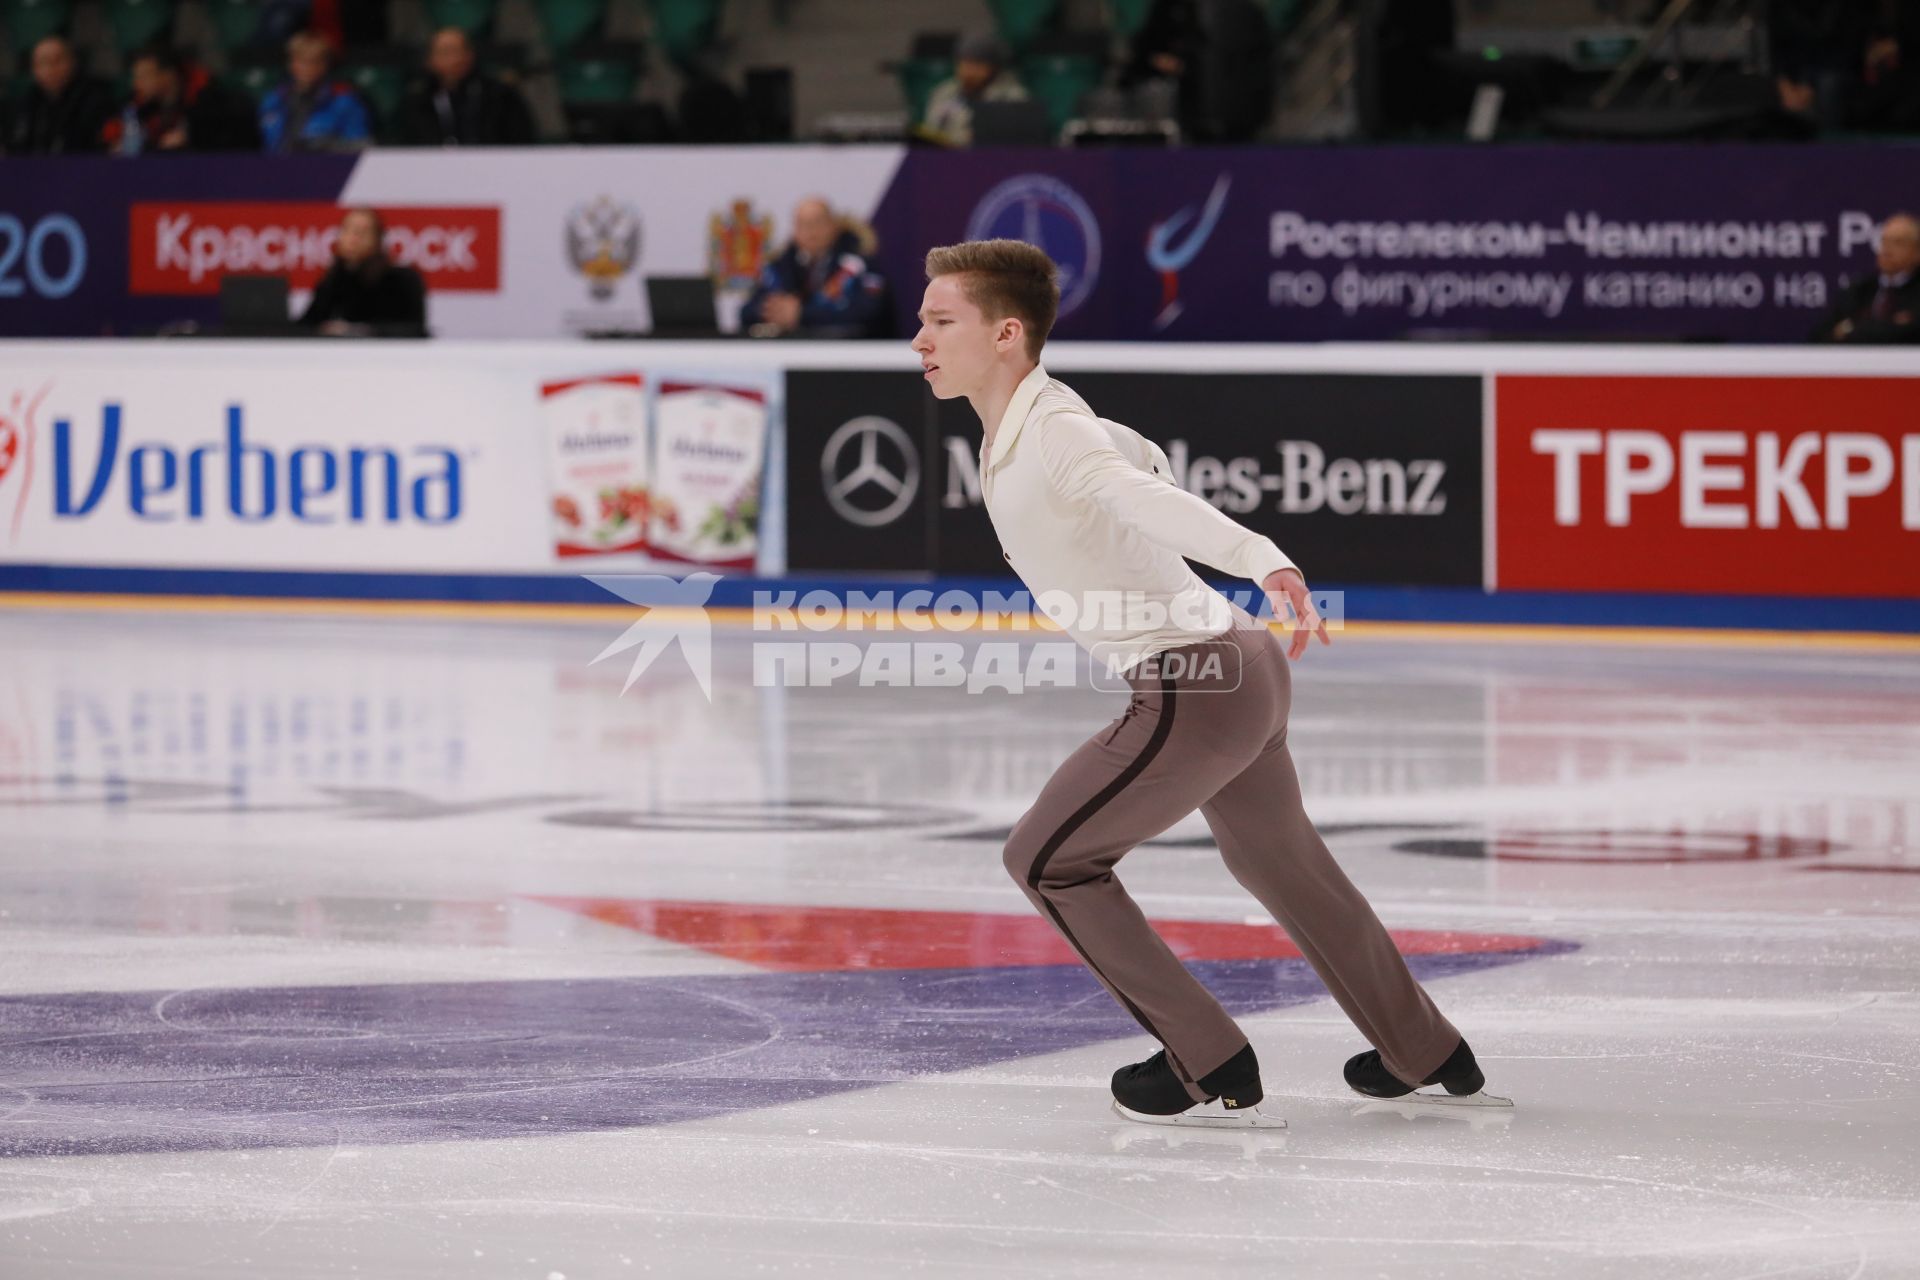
(957, 344)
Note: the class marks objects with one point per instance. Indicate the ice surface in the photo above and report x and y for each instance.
(407, 946)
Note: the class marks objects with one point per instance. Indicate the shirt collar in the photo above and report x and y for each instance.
(1016, 415)
(1888, 281)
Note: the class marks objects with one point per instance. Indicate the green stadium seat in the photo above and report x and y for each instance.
(1020, 21)
(509, 62)
(28, 22)
(685, 28)
(1130, 15)
(594, 74)
(919, 77)
(472, 16)
(568, 22)
(237, 22)
(255, 72)
(382, 83)
(1060, 81)
(137, 22)
(1282, 14)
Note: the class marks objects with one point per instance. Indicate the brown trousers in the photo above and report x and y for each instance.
(1207, 729)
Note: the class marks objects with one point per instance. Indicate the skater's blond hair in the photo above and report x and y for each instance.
(1005, 279)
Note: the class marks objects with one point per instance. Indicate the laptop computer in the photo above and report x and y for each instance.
(682, 307)
(1012, 124)
(254, 306)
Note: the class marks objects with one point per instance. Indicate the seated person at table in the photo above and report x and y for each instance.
(823, 285)
(365, 293)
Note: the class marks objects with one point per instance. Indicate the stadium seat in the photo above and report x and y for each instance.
(1130, 15)
(1021, 21)
(769, 94)
(1060, 68)
(28, 22)
(1060, 80)
(137, 22)
(600, 73)
(685, 28)
(1282, 14)
(255, 71)
(568, 22)
(918, 79)
(509, 62)
(380, 76)
(472, 16)
(237, 22)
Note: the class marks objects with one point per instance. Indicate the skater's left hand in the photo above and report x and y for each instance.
(1286, 589)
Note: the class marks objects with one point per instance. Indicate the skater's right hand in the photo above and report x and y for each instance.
(1287, 591)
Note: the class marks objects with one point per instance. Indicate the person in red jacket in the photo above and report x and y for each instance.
(177, 106)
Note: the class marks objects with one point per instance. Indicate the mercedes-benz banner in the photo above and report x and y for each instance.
(1361, 479)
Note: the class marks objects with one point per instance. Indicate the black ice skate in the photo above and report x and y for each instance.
(1149, 1092)
(1459, 1076)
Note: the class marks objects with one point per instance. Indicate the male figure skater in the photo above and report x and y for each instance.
(1087, 507)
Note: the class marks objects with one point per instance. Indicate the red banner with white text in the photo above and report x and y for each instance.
(1788, 486)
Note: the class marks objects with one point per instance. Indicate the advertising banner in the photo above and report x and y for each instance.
(709, 462)
(864, 478)
(583, 227)
(597, 463)
(1731, 242)
(1361, 479)
(66, 232)
(294, 457)
(183, 249)
(1742, 243)
(1788, 486)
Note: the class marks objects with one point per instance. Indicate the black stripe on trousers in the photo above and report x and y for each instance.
(1079, 819)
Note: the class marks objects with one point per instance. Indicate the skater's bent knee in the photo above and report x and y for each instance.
(1018, 857)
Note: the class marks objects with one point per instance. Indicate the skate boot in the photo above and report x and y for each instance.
(1459, 1076)
(1151, 1093)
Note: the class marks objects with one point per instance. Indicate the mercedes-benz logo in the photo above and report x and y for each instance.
(855, 491)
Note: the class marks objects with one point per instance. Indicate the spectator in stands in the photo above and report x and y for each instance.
(980, 75)
(1167, 48)
(308, 111)
(1846, 65)
(365, 293)
(63, 112)
(1887, 98)
(1236, 73)
(461, 107)
(178, 107)
(823, 284)
(1883, 307)
(280, 20)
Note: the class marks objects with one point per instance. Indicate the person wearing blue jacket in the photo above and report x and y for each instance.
(308, 111)
(824, 284)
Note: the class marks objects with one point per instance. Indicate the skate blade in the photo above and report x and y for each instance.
(1207, 1115)
(1440, 1098)
(1477, 1115)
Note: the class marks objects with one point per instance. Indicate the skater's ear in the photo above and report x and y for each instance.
(1010, 334)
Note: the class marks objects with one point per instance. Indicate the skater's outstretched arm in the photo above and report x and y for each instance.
(1082, 464)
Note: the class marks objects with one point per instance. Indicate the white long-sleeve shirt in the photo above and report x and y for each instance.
(1089, 516)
